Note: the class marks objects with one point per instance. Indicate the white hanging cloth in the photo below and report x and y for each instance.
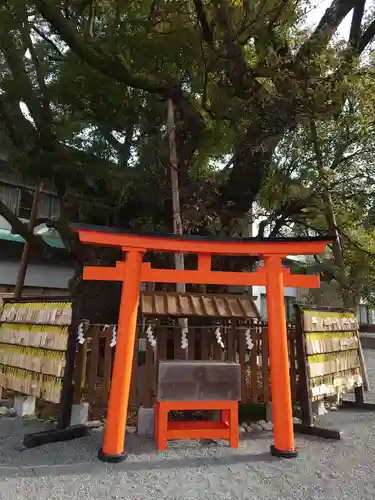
(114, 337)
(184, 339)
(249, 340)
(219, 340)
(150, 337)
(81, 334)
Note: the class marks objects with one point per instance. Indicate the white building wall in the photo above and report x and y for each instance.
(4, 224)
(38, 275)
(260, 291)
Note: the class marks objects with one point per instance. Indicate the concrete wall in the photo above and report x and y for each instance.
(326, 295)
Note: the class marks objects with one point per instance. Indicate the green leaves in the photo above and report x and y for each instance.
(322, 181)
(246, 79)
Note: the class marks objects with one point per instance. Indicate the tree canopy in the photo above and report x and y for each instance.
(240, 73)
(259, 97)
(322, 182)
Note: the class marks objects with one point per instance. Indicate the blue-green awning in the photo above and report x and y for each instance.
(6, 235)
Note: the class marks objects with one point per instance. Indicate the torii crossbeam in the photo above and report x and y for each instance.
(132, 271)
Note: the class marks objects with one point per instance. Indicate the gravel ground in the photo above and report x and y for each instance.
(324, 469)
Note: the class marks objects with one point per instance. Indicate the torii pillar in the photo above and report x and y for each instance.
(132, 271)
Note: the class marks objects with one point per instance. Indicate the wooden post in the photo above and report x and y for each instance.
(265, 364)
(303, 389)
(66, 398)
(366, 382)
(26, 247)
(177, 222)
(113, 446)
(279, 361)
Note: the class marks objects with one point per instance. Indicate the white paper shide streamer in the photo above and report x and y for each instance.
(249, 340)
(219, 340)
(150, 337)
(114, 337)
(184, 339)
(81, 331)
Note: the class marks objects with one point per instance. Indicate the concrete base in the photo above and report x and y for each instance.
(6, 402)
(367, 340)
(318, 408)
(80, 414)
(24, 405)
(146, 421)
(269, 412)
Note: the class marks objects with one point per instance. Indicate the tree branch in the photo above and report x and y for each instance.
(92, 54)
(48, 40)
(353, 155)
(18, 227)
(366, 37)
(325, 30)
(203, 21)
(19, 129)
(317, 148)
(356, 245)
(91, 19)
(80, 252)
(117, 17)
(239, 72)
(28, 44)
(355, 28)
(14, 59)
(122, 149)
(115, 68)
(262, 227)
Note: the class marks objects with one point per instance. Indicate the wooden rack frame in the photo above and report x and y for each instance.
(307, 426)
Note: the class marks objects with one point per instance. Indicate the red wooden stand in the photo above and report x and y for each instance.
(225, 428)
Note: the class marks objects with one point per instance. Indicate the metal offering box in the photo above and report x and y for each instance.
(199, 381)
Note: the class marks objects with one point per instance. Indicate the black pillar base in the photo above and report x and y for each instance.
(54, 436)
(112, 459)
(283, 454)
(311, 430)
(357, 405)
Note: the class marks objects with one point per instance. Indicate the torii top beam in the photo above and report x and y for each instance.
(97, 235)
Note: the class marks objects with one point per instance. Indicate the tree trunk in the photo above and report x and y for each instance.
(253, 155)
(330, 217)
(26, 247)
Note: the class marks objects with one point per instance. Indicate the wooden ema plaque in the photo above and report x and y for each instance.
(33, 342)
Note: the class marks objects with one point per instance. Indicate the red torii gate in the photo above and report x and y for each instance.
(132, 271)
